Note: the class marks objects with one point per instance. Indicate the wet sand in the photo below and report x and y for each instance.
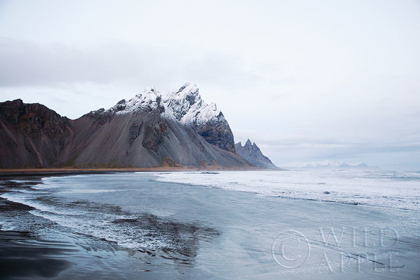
(23, 256)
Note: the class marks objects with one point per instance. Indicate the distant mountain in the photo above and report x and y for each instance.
(326, 164)
(149, 130)
(252, 153)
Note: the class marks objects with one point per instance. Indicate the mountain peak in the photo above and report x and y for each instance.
(252, 153)
(248, 144)
(184, 100)
(188, 107)
(147, 100)
(188, 87)
(189, 92)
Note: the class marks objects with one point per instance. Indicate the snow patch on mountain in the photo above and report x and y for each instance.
(147, 100)
(187, 106)
(184, 105)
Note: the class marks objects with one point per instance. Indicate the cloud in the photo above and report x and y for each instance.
(102, 74)
(28, 64)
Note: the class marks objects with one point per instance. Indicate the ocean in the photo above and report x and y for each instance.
(302, 224)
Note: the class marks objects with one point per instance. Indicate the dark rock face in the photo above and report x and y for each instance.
(31, 135)
(34, 118)
(217, 133)
(252, 153)
(154, 134)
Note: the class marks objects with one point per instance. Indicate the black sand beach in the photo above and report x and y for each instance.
(45, 250)
(130, 226)
(23, 255)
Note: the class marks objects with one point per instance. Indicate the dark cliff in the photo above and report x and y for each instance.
(31, 135)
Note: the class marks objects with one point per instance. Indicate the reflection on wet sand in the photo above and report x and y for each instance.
(23, 256)
(42, 248)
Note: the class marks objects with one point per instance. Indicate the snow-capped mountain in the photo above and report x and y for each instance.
(186, 107)
(325, 164)
(149, 130)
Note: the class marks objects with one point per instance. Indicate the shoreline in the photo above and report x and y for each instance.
(80, 171)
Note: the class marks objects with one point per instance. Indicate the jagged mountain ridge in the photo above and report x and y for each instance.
(186, 106)
(252, 153)
(149, 130)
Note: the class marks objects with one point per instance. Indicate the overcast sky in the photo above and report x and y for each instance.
(306, 80)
